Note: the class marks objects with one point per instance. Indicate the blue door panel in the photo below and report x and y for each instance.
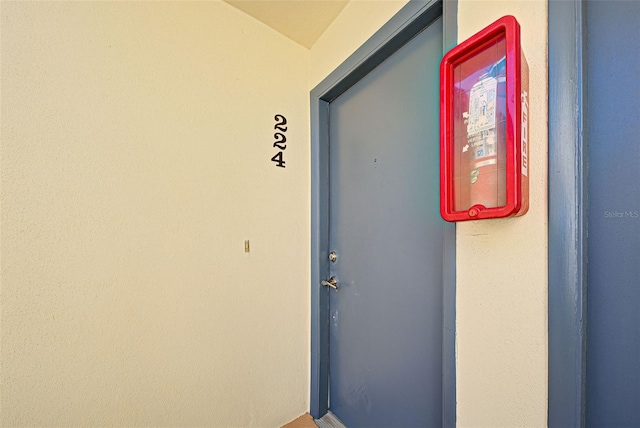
(386, 317)
(613, 171)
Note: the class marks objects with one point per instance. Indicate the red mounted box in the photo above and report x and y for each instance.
(484, 134)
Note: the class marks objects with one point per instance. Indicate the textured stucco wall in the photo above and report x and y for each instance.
(358, 21)
(136, 146)
(501, 309)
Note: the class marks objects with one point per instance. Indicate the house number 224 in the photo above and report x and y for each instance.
(280, 138)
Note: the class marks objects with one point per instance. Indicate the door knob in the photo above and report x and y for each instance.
(333, 283)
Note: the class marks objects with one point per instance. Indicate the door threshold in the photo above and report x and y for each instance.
(329, 420)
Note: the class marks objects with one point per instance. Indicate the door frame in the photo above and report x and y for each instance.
(567, 215)
(402, 27)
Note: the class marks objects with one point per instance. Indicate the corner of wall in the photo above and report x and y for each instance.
(502, 277)
(358, 21)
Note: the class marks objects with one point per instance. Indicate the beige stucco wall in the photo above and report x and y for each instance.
(135, 156)
(358, 21)
(501, 310)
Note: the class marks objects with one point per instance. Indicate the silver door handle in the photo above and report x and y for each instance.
(333, 283)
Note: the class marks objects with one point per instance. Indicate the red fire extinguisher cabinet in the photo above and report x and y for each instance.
(484, 119)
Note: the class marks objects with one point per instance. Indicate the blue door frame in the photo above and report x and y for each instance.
(578, 154)
(409, 21)
(567, 216)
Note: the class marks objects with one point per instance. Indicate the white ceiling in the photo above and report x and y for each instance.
(303, 21)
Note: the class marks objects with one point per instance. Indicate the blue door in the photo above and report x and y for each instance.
(613, 242)
(386, 231)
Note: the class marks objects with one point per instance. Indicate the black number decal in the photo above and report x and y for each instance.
(280, 122)
(278, 160)
(280, 138)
